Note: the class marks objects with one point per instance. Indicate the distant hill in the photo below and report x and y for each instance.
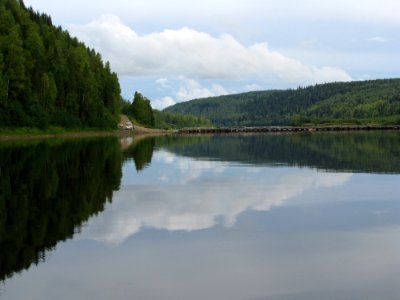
(357, 102)
(48, 78)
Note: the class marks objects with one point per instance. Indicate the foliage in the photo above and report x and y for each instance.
(141, 110)
(49, 78)
(360, 102)
(169, 120)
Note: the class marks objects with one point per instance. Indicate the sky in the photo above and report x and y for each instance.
(178, 50)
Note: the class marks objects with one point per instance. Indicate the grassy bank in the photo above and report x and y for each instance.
(24, 133)
(58, 132)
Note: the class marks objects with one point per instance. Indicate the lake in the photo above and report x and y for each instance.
(249, 217)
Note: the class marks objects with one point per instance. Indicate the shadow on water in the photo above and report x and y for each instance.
(368, 152)
(47, 190)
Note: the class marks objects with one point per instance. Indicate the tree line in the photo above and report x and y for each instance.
(48, 78)
(358, 102)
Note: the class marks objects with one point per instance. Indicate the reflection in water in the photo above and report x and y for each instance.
(206, 217)
(48, 189)
(367, 152)
(184, 197)
(140, 150)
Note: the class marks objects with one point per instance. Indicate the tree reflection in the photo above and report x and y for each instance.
(47, 190)
(141, 151)
(370, 152)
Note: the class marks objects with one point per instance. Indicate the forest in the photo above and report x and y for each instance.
(141, 111)
(48, 78)
(357, 102)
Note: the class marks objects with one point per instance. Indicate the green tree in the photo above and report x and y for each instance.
(48, 91)
(141, 110)
(49, 78)
(363, 102)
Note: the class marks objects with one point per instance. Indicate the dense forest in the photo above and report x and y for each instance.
(48, 78)
(358, 102)
(169, 120)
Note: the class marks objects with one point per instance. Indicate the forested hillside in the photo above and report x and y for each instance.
(48, 78)
(169, 120)
(358, 102)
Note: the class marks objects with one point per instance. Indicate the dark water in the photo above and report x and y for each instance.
(292, 216)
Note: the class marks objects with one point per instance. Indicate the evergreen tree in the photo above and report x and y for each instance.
(141, 110)
(48, 78)
(357, 102)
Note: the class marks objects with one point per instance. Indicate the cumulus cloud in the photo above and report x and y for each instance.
(163, 83)
(191, 89)
(163, 102)
(166, 205)
(253, 87)
(184, 89)
(195, 54)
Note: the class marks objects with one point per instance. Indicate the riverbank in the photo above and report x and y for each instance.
(143, 131)
(29, 133)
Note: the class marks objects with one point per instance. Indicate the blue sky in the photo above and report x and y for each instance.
(177, 50)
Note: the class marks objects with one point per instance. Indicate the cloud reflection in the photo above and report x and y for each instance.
(193, 195)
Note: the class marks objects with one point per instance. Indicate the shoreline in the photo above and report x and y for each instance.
(321, 128)
(83, 134)
(73, 134)
(142, 131)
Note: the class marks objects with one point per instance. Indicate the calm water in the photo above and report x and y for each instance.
(299, 216)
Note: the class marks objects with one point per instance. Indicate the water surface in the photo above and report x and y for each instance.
(260, 216)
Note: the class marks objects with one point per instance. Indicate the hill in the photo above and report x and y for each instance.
(48, 78)
(357, 102)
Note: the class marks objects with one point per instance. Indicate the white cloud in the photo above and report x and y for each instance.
(253, 87)
(224, 11)
(163, 102)
(163, 82)
(184, 89)
(195, 54)
(191, 89)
